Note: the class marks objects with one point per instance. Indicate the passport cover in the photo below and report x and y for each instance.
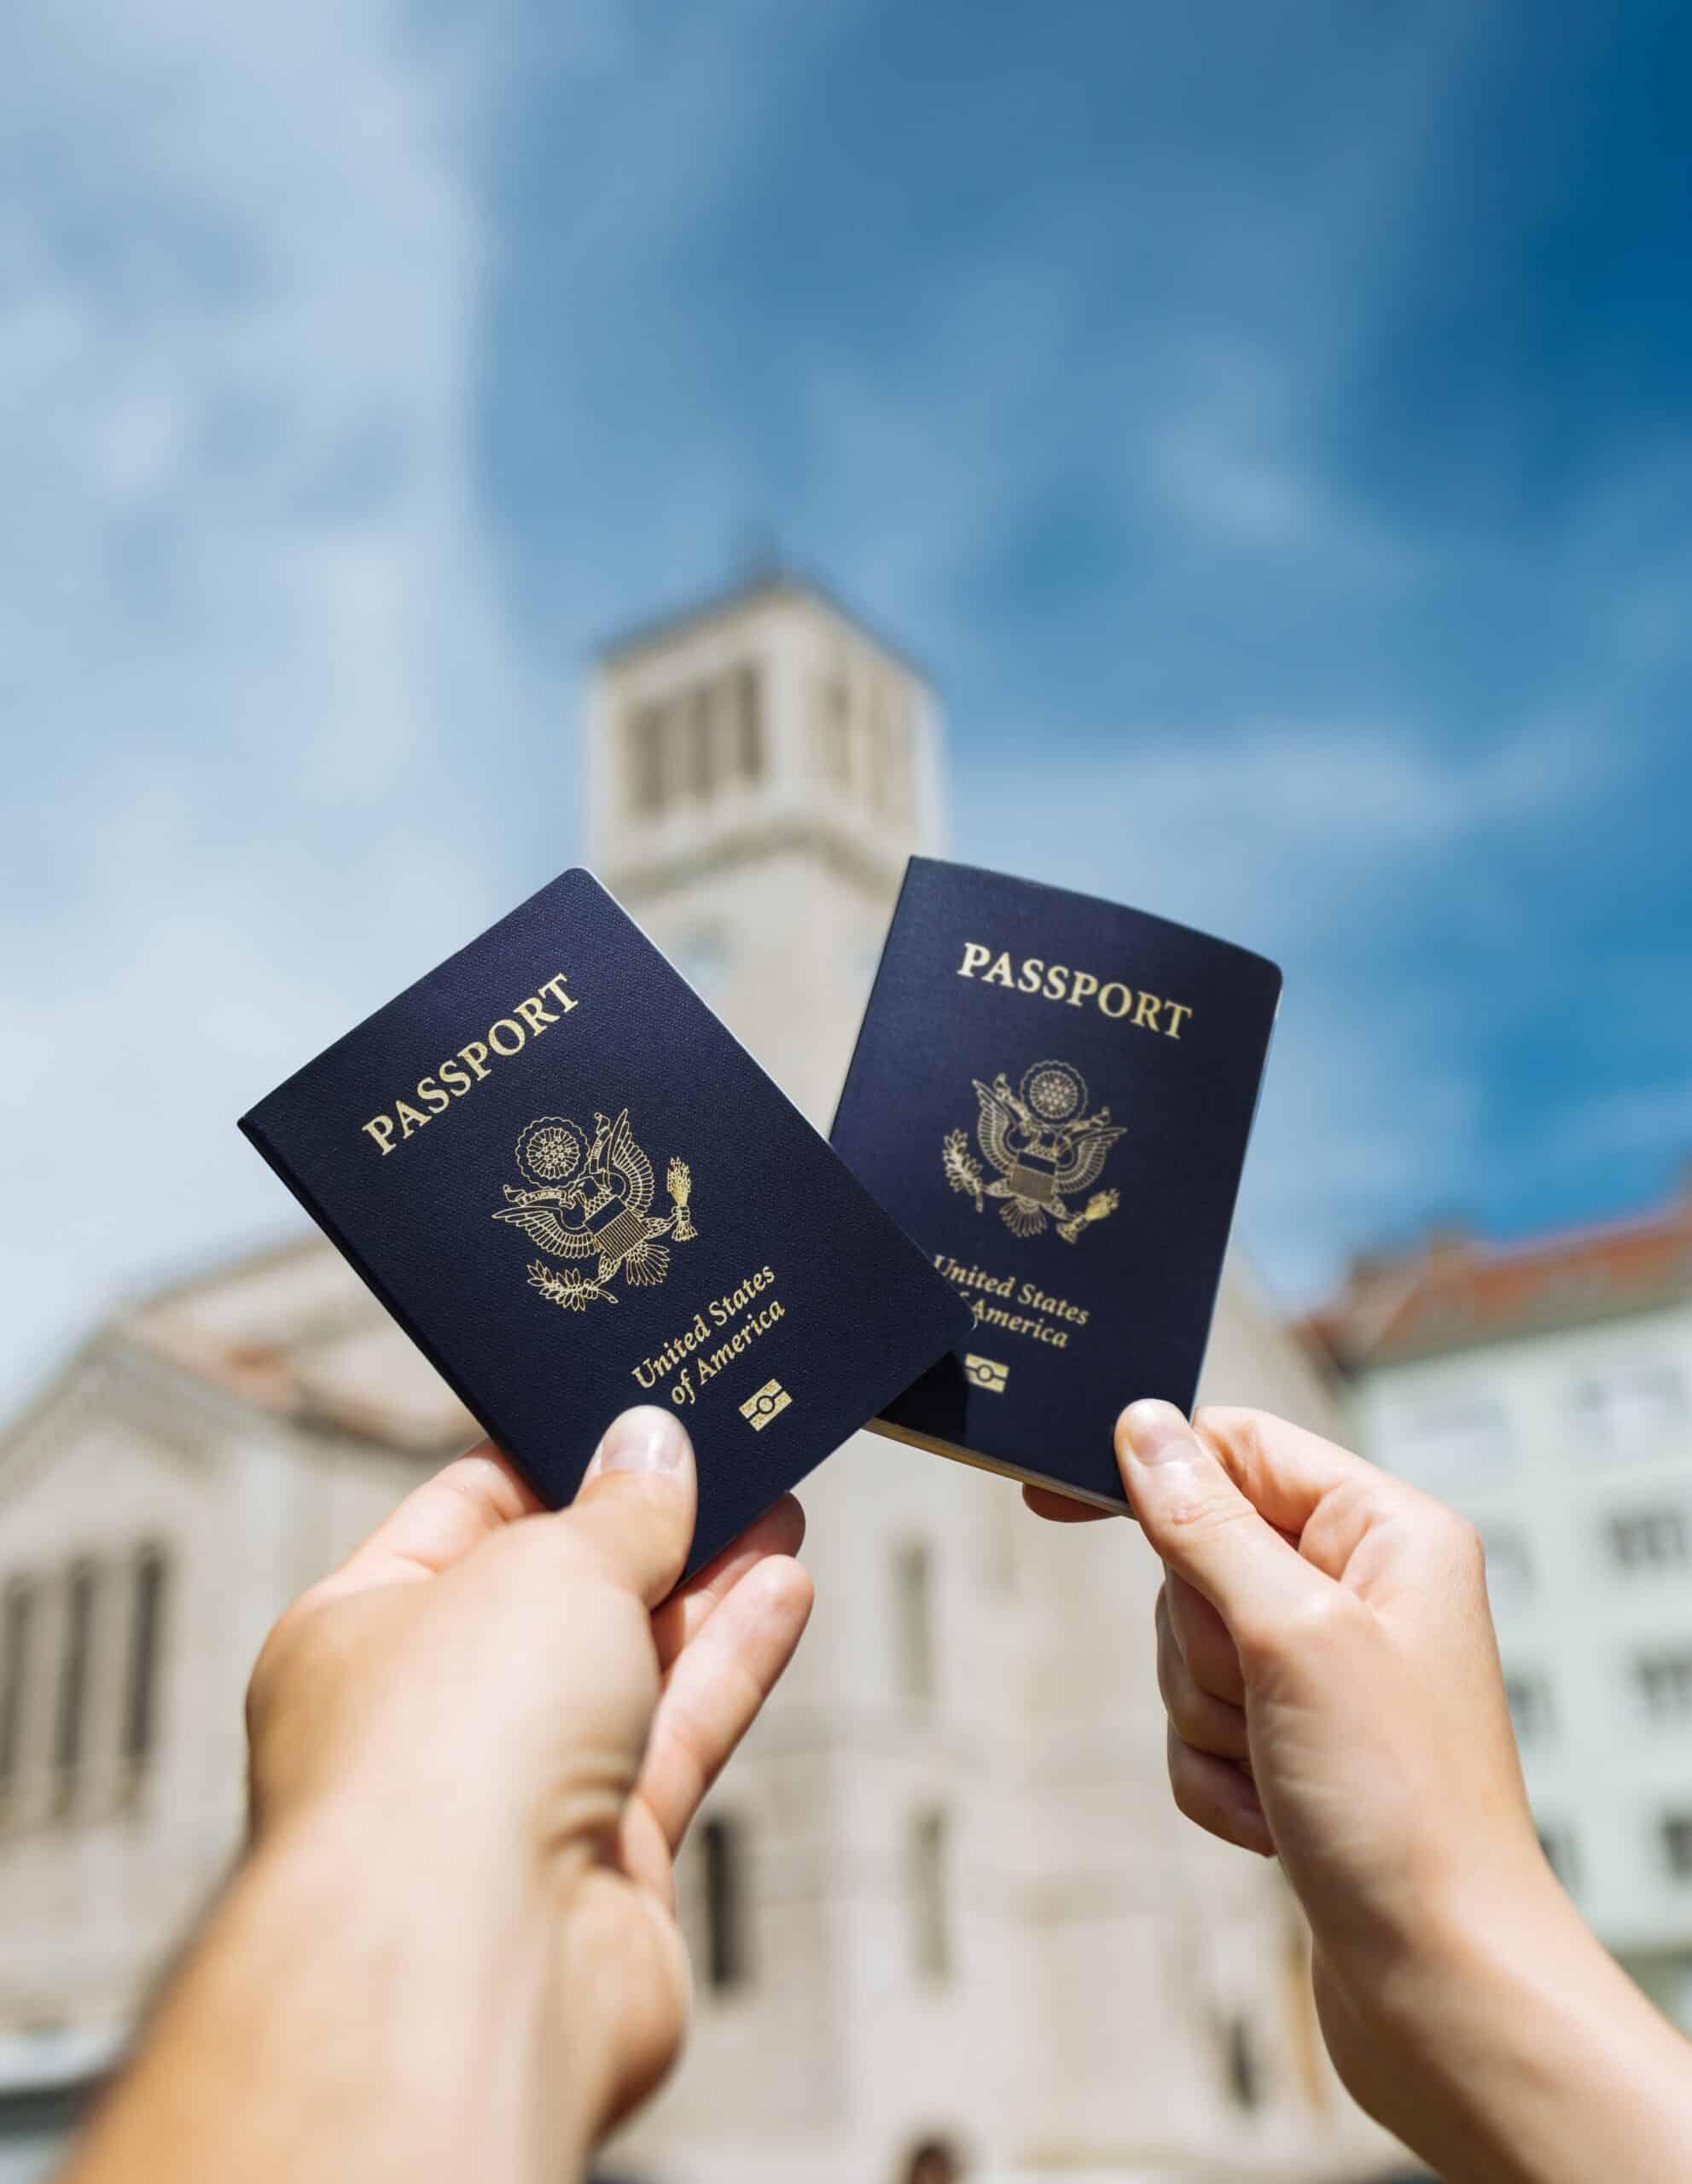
(1053, 1094)
(575, 1191)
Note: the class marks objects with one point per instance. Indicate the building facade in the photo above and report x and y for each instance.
(943, 1891)
(1546, 1391)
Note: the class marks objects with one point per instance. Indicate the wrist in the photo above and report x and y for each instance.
(1510, 2048)
(1491, 1923)
(451, 1939)
(360, 1992)
(1450, 1948)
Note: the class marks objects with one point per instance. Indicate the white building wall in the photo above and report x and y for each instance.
(1542, 1482)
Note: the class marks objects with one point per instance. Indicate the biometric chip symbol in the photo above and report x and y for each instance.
(764, 1403)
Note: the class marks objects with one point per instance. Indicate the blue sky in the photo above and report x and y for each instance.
(1270, 422)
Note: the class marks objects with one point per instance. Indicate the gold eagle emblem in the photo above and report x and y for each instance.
(592, 1199)
(1046, 1148)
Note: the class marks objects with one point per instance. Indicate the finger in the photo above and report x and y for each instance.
(439, 1523)
(1205, 1722)
(717, 1686)
(1204, 1527)
(1060, 1508)
(634, 1511)
(1284, 1471)
(780, 1530)
(1219, 1796)
(1211, 1657)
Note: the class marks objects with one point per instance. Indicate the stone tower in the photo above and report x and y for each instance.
(758, 771)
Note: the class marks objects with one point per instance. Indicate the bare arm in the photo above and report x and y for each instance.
(449, 1951)
(1328, 1666)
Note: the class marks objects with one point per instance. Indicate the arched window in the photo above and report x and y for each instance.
(1241, 2072)
(699, 769)
(73, 1664)
(933, 2161)
(930, 1908)
(645, 748)
(914, 1620)
(748, 716)
(834, 738)
(721, 1850)
(141, 1681)
(17, 1629)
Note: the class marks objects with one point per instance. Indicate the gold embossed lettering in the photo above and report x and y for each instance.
(1113, 997)
(462, 1072)
(534, 1014)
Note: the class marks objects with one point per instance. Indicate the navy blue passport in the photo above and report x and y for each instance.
(575, 1191)
(1053, 1094)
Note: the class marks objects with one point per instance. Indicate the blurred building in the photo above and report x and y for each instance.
(943, 1893)
(1546, 1391)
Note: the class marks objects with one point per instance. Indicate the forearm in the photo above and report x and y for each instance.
(350, 2014)
(1515, 2051)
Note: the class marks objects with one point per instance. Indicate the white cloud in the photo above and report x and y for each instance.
(1315, 845)
(248, 640)
(1271, 829)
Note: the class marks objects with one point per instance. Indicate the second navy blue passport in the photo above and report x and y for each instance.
(576, 1191)
(1052, 1095)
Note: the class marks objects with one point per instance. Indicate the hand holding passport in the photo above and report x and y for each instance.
(576, 1191)
(563, 1176)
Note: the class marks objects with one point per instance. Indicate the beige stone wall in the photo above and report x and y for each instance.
(103, 1865)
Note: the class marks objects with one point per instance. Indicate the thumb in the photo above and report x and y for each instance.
(1204, 1527)
(634, 1511)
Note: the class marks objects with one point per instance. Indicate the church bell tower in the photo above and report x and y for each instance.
(760, 766)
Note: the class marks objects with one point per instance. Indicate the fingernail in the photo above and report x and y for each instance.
(646, 1439)
(1157, 1433)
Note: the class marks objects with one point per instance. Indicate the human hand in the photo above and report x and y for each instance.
(484, 1697)
(1327, 1663)
(1327, 1659)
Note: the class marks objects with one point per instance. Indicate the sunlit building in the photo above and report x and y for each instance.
(943, 1892)
(1546, 1391)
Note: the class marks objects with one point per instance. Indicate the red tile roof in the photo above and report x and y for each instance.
(1455, 1291)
